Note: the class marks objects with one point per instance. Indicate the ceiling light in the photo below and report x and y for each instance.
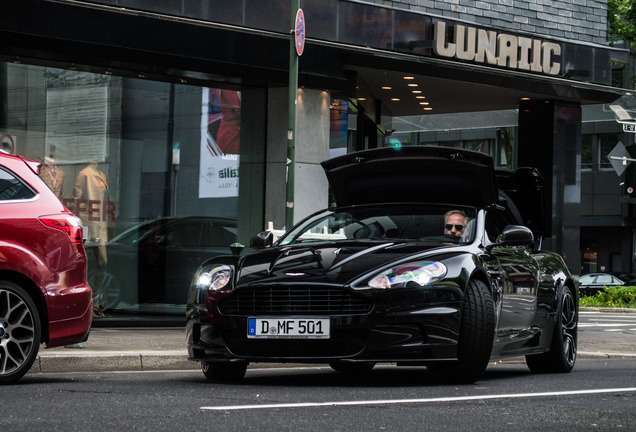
(413, 85)
(525, 98)
(416, 91)
(386, 88)
(362, 99)
(428, 109)
(409, 77)
(395, 99)
(420, 97)
(423, 103)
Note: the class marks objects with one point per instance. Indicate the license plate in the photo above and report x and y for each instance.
(288, 328)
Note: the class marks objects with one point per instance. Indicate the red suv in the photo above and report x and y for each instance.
(44, 296)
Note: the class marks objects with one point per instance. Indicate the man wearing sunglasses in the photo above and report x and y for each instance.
(455, 223)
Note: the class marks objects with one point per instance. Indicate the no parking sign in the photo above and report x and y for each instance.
(299, 32)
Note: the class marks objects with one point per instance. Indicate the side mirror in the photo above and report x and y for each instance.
(262, 240)
(514, 235)
(236, 248)
(162, 240)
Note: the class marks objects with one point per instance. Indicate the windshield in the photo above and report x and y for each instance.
(426, 223)
(136, 233)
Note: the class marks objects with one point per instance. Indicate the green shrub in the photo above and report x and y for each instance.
(616, 297)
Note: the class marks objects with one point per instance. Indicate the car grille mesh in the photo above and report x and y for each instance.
(294, 300)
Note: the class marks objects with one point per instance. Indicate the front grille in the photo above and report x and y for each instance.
(294, 300)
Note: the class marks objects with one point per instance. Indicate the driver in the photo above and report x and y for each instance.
(455, 223)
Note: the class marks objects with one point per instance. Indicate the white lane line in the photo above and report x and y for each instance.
(417, 401)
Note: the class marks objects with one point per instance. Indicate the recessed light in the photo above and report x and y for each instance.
(362, 99)
(395, 99)
(416, 91)
(420, 97)
(428, 109)
(413, 85)
(525, 98)
(409, 77)
(386, 88)
(423, 103)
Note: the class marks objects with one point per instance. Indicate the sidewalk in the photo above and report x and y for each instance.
(143, 349)
(121, 349)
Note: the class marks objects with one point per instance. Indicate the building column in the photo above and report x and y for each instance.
(550, 140)
(312, 147)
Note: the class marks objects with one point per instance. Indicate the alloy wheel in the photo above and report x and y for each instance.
(19, 332)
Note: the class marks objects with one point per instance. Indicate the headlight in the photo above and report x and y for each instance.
(214, 278)
(422, 273)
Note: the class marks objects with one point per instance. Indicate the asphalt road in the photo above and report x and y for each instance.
(600, 394)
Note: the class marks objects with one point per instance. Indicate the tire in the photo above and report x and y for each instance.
(109, 294)
(352, 367)
(224, 371)
(20, 332)
(562, 354)
(476, 337)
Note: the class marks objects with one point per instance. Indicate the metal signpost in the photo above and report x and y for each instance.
(297, 45)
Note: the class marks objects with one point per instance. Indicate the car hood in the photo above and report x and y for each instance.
(413, 174)
(333, 263)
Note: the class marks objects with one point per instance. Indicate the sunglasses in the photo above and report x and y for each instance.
(457, 227)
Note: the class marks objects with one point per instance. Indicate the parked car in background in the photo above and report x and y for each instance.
(427, 260)
(44, 296)
(593, 283)
(629, 279)
(151, 265)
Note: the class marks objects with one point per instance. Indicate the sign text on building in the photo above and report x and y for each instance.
(489, 47)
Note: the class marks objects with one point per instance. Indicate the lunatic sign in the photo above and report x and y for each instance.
(497, 49)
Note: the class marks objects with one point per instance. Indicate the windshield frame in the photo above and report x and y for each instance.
(380, 222)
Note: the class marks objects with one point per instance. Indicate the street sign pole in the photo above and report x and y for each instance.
(297, 38)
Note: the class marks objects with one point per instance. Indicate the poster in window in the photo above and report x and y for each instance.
(220, 143)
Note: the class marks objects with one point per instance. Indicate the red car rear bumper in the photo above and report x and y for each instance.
(70, 316)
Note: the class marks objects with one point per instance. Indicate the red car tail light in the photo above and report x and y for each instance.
(71, 225)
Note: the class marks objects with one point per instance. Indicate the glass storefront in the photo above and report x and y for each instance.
(151, 168)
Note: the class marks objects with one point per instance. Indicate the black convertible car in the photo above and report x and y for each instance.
(430, 258)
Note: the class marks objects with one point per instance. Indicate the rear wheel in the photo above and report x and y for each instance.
(352, 367)
(107, 290)
(20, 332)
(224, 371)
(476, 337)
(562, 354)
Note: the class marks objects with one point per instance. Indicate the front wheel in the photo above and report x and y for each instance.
(562, 354)
(476, 337)
(20, 332)
(224, 371)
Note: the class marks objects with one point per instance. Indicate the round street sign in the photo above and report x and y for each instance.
(299, 32)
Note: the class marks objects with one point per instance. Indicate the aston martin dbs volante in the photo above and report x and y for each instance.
(431, 257)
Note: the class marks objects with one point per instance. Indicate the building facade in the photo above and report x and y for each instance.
(163, 124)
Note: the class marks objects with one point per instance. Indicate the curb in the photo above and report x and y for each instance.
(593, 355)
(112, 361)
(606, 310)
(134, 361)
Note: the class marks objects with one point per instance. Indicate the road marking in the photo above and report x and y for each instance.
(416, 401)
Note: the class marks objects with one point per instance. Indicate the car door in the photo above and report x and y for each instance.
(181, 250)
(189, 243)
(518, 275)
